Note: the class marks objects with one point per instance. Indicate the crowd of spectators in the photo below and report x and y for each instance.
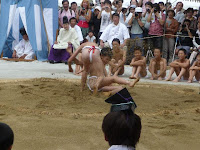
(154, 24)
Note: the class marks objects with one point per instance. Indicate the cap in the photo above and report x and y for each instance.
(122, 100)
(65, 20)
(22, 31)
(98, 8)
(133, 6)
(138, 9)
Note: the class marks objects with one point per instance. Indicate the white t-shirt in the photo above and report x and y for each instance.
(79, 32)
(105, 20)
(90, 39)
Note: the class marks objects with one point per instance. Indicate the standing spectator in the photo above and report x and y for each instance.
(102, 3)
(186, 36)
(123, 15)
(117, 5)
(196, 39)
(105, 15)
(73, 23)
(172, 26)
(137, 25)
(156, 26)
(74, 8)
(162, 7)
(179, 16)
(96, 22)
(115, 30)
(84, 17)
(65, 12)
(189, 15)
(131, 11)
(142, 4)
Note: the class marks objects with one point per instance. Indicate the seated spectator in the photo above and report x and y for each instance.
(23, 50)
(193, 20)
(73, 23)
(115, 30)
(157, 66)
(6, 137)
(74, 7)
(172, 26)
(84, 17)
(121, 126)
(186, 36)
(96, 22)
(137, 25)
(156, 20)
(90, 37)
(105, 15)
(179, 15)
(65, 12)
(139, 64)
(67, 38)
(116, 65)
(180, 67)
(195, 70)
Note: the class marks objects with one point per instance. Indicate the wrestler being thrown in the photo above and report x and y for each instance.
(94, 60)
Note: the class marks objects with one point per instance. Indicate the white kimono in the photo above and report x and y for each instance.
(66, 36)
(24, 47)
(121, 147)
(112, 31)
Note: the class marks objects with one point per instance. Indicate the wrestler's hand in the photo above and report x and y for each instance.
(55, 42)
(14, 55)
(70, 68)
(22, 57)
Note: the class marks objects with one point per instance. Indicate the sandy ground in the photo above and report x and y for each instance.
(50, 113)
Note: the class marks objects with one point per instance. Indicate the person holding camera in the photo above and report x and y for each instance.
(186, 36)
(123, 15)
(137, 25)
(105, 15)
(157, 21)
(117, 5)
(84, 17)
(189, 15)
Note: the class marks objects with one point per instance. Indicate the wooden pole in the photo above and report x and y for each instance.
(49, 46)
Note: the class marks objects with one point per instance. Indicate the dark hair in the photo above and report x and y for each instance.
(106, 51)
(91, 31)
(138, 48)
(182, 49)
(178, 3)
(116, 40)
(122, 128)
(73, 18)
(107, 2)
(65, 1)
(161, 3)
(149, 3)
(171, 10)
(190, 9)
(121, 1)
(157, 48)
(156, 6)
(73, 3)
(65, 20)
(186, 20)
(6, 136)
(115, 14)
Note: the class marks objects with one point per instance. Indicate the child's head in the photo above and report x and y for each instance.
(122, 128)
(73, 22)
(137, 52)
(182, 53)
(65, 23)
(6, 137)
(106, 55)
(90, 33)
(157, 52)
(115, 43)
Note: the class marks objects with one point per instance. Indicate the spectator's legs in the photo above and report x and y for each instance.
(171, 43)
(165, 48)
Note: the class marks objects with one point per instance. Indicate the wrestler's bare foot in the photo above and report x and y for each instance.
(189, 81)
(168, 79)
(151, 78)
(107, 94)
(96, 87)
(132, 77)
(70, 69)
(132, 84)
(176, 80)
(160, 78)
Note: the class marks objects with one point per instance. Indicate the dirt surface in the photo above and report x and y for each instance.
(52, 114)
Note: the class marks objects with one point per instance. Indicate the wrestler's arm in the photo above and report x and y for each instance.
(185, 64)
(123, 59)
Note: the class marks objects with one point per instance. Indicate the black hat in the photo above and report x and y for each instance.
(22, 31)
(65, 20)
(122, 100)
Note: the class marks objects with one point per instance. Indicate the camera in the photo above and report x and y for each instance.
(116, 2)
(183, 26)
(148, 10)
(155, 10)
(83, 8)
(136, 14)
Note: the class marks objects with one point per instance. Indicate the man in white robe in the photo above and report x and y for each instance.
(115, 30)
(23, 50)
